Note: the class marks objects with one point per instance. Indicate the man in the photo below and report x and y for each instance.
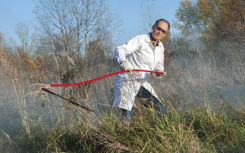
(144, 52)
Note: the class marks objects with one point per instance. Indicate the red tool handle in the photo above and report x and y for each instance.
(102, 77)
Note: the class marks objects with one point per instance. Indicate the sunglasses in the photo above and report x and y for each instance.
(160, 29)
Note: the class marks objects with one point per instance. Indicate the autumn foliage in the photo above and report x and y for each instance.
(216, 20)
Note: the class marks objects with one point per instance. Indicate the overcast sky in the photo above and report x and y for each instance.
(131, 12)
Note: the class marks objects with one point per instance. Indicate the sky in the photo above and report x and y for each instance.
(131, 12)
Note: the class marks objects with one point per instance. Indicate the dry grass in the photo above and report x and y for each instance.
(51, 125)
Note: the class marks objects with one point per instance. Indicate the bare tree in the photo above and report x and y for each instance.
(148, 15)
(55, 22)
(73, 24)
(24, 34)
(148, 19)
(82, 29)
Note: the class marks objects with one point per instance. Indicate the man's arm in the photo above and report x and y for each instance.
(160, 64)
(130, 47)
(160, 61)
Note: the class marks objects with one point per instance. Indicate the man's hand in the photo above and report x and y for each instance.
(125, 66)
(160, 75)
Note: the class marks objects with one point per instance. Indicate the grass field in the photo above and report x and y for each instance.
(197, 129)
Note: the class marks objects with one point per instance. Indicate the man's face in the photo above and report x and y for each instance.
(160, 30)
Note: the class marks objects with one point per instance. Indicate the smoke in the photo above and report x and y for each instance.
(198, 75)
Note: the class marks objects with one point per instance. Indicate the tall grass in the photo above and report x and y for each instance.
(197, 130)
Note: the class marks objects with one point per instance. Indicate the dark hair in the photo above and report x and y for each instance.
(164, 21)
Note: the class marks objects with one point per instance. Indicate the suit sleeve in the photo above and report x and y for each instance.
(160, 62)
(121, 52)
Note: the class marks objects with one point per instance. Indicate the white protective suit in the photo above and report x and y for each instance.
(139, 52)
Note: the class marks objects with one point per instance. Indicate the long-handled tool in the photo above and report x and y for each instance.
(102, 77)
(89, 81)
(74, 103)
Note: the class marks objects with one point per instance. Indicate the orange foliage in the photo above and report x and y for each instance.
(26, 60)
(215, 19)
